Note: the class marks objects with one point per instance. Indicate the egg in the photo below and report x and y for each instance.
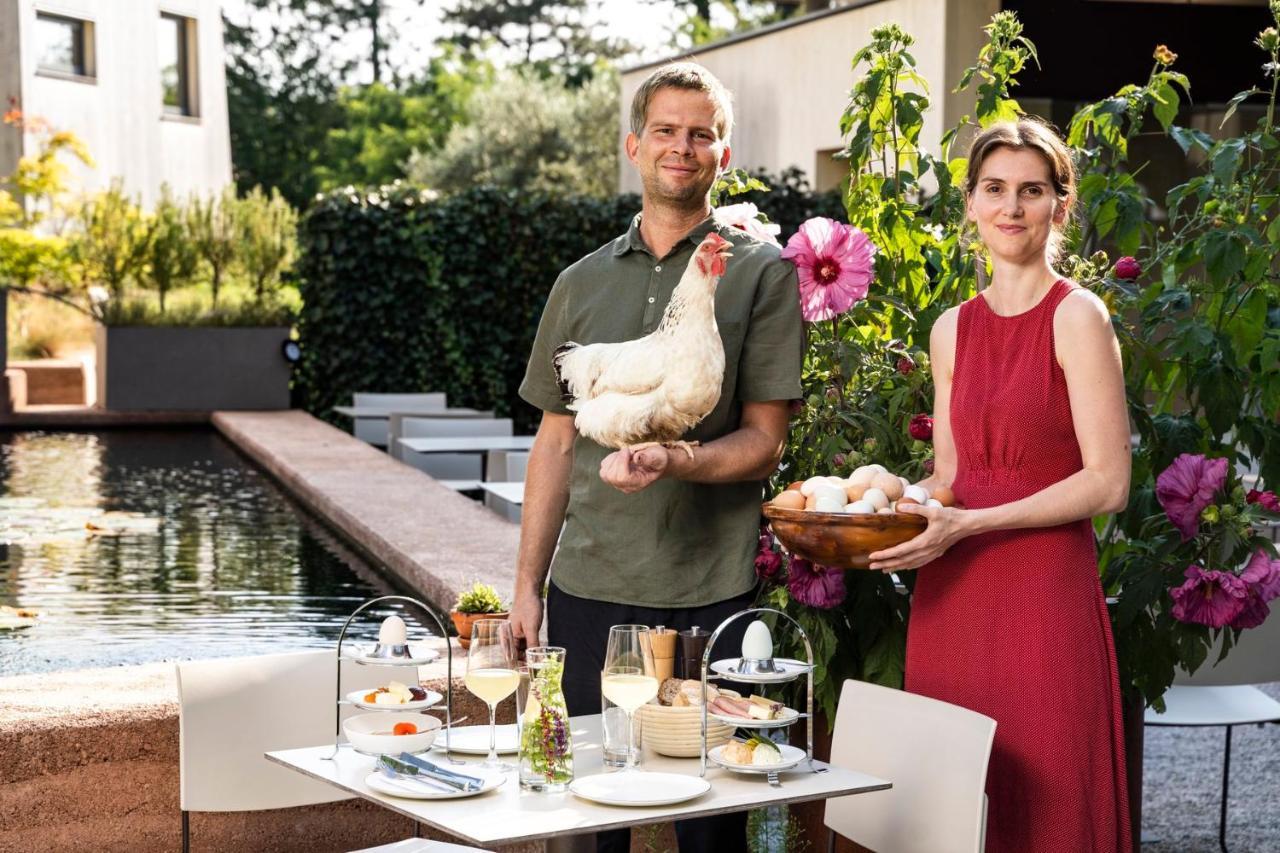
(935, 502)
(885, 511)
(807, 487)
(757, 642)
(889, 484)
(859, 508)
(392, 632)
(944, 495)
(917, 494)
(905, 482)
(789, 500)
(854, 492)
(795, 487)
(827, 503)
(828, 490)
(905, 501)
(836, 481)
(878, 468)
(861, 476)
(876, 498)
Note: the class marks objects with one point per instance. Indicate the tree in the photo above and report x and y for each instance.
(111, 244)
(212, 226)
(552, 36)
(737, 16)
(173, 258)
(531, 133)
(268, 239)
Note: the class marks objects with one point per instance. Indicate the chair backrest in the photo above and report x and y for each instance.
(451, 466)
(434, 400)
(232, 710)
(934, 753)
(1254, 659)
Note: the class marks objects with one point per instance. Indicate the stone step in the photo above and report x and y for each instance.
(52, 381)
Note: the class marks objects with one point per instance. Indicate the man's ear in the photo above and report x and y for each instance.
(631, 146)
(724, 158)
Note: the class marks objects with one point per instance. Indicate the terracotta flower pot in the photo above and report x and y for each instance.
(463, 622)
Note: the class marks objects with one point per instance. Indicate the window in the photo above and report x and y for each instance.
(64, 46)
(177, 53)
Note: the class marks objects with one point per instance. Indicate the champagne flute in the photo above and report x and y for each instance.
(491, 674)
(628, 678)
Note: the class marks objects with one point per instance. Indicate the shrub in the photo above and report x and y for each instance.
(479, 598)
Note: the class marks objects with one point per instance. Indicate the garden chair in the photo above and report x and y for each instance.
(232, 710)
(374, 430)
(934, 753)
(1224, 695)
(506, 466)
(452, 466)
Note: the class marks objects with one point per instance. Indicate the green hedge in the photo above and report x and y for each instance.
(402, 292)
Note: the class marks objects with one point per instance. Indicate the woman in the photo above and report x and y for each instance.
(1030, 431)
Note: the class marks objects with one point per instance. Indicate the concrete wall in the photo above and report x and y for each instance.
(791, 82)
(118, 114)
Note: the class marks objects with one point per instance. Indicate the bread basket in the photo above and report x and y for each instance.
(676, 731)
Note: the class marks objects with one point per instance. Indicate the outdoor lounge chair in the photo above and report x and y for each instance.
(374, 430)
(935, 753)
(232, 710)
(1224, 695)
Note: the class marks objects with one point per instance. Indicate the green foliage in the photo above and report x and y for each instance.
(213, 228)
(479, 598)
(531, 133)
(268, 239)
(111, 240)
(788, 199)
(407, 291)
(172, 256)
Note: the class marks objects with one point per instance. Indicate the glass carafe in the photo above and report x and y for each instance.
(546, 750)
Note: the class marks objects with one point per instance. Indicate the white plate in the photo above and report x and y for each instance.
(420, 656)
(474, 740)
(639, 788)
(391, 788)
(356, 697)
(791, 756)
(789, 716)
(790, 667)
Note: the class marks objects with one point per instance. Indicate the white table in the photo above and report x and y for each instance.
(507, 814)
(510, 492)
(384, 412)
(468, 444)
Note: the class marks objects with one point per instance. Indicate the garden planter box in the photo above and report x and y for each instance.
(208, 368)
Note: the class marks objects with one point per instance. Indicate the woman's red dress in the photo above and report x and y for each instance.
(1013, 624)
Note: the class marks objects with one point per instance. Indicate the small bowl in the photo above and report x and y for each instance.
(371, 733)
(677, 731)
(841, 540)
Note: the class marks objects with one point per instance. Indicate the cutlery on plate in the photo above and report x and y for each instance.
(413, 783)
(454, 781)
(439, 773)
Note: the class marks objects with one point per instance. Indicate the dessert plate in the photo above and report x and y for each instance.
(474, 740)
(356, 697)
(411, 791)
(791, 756)
(788, 668)
(639, 788)
(788, 716)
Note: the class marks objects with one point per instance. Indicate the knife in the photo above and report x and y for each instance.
(435, 771)
(410, 783)
(440, 777)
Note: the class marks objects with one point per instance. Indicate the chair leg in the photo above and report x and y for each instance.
(1226, 782)
(186, 831)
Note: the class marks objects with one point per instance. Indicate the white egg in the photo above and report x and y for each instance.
(860, 508)
(878, 468)
(806, 488)
(916, 493)
(757, 642)
(830, 491)
(835, 481)
(905, 482)
(876, 498)
(829, 504)
(934, 502)
(886, 511)
(392, 632)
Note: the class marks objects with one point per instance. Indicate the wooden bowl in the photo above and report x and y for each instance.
(838, 539)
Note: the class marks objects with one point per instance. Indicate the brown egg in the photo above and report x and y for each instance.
(889, 484)
(811, 502)
(944, 495)
(907, 500)
(854, 491)
(795, 487)
(789, 500)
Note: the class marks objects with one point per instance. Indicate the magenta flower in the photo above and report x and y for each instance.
(1267, 500)
(746, 217)
(1128, 268)
(815, 586)
(768, 561)
(834, 265)
(1210, 598)
(1186, 487)
(1262, 575)
(921, 427)
(905, 365)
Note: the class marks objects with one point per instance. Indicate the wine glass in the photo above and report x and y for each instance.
(628, 678)
(491, 674)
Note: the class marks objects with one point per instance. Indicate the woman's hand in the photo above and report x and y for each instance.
(947, 525)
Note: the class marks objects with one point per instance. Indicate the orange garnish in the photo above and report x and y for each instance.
(404, 729)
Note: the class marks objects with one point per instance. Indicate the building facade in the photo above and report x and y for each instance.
(141, 82)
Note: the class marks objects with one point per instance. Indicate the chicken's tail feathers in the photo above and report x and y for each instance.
(557, 362)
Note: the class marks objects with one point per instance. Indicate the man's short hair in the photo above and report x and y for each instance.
(684, 75)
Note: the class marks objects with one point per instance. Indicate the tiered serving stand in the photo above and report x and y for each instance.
(396, 656)
(769, 671)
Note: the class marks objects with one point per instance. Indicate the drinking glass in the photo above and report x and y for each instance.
(491, 674)
(628, 679)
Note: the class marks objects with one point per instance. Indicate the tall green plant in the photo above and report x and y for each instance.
(173, 259)
(212, 225)
(112, 240)
(268, 239)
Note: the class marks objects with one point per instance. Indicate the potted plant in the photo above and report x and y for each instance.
(479, 601)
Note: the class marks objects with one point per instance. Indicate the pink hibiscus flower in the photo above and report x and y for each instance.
(1210, 598)
(746, 217)
(1267, 500)
(1186, 487)
(834, 264)
(1261, 578)
(815, 586)
(768, 561)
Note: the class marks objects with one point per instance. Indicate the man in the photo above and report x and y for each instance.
(655, 537)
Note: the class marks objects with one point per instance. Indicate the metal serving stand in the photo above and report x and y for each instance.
(755, 669)
(394, 658)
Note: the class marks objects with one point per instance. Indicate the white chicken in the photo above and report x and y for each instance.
(654, 389)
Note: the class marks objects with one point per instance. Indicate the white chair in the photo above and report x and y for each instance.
(374, 430)
(452, 466)
(232, 710)
(1223, 695)
(936, 756)
(506, 466)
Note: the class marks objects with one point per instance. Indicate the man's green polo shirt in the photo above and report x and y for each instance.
(675, 543)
